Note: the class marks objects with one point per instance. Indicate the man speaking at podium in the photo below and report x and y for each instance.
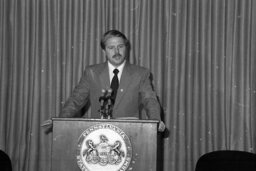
(128, 85)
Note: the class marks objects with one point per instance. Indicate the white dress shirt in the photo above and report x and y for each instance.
(111, 69)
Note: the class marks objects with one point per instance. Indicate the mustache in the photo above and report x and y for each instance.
(117, 55)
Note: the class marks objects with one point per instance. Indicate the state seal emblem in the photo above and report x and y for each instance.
(104, 147)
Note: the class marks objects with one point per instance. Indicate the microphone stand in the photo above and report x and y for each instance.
(109, 104)
(102, 100)
(106, 104)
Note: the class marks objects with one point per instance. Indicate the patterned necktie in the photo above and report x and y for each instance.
(114, 84)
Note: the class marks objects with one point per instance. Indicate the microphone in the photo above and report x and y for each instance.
(102, 100)
(108, 97)
(102, 97)
(109, 103)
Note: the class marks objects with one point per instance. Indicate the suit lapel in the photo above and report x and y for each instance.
(104, 77)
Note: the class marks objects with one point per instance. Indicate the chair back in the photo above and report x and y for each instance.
(5, 162)
(227, 160)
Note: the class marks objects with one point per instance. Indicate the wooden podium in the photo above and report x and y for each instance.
(101, 144)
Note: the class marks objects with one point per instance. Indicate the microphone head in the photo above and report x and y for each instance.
(103, 94)
(103, 91)
(109, 93)
(110, 90)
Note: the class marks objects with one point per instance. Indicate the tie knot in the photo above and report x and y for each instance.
(116, 71)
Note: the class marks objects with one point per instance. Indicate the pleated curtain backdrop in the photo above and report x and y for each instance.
(202, 54)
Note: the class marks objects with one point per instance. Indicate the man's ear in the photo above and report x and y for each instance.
(104, 52)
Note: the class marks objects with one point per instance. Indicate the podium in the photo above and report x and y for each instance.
(104, 144)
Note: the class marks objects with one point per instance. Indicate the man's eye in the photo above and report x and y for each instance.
(110, 47)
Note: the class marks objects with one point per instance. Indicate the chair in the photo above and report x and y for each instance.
(5, 162)
(227, 160)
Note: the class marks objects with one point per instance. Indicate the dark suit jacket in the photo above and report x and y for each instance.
(135, 91)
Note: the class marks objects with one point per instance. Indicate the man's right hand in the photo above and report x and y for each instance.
(47, 126)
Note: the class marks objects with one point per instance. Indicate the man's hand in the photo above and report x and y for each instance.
(47, 125)
(161, 126)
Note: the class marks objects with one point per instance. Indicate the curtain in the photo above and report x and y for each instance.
(201, 54)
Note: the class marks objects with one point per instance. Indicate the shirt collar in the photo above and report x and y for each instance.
(112, 67)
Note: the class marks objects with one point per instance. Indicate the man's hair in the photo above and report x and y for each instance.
(113, 33)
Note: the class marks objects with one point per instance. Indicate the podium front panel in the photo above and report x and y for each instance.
(68, 135)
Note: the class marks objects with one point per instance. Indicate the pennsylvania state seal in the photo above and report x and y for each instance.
(104, 147)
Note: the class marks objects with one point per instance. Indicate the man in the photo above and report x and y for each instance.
(134, 89)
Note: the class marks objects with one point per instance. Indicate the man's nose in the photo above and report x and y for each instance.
(116, 50)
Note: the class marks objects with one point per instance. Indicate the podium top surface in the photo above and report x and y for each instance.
(131, 120)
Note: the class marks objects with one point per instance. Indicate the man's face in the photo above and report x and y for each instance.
(115, 50)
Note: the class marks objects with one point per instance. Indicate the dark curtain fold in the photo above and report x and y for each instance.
(201, 54)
